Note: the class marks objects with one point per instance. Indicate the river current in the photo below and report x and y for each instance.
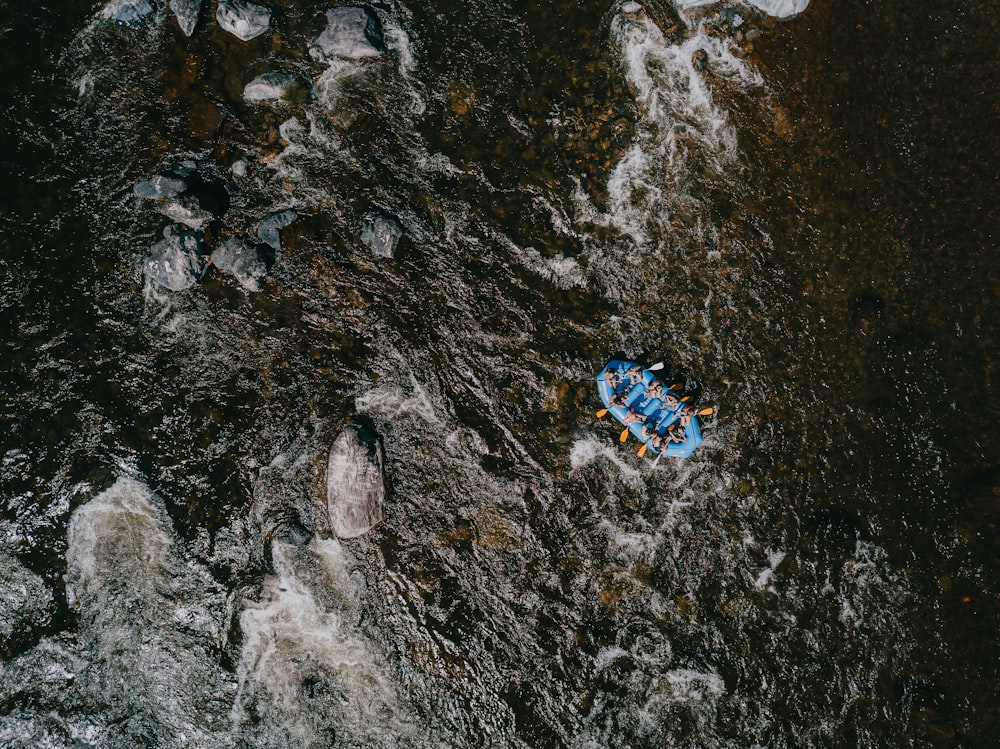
(796, 214)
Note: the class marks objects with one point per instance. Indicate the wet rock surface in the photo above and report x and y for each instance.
(355, 482)
(269, 230)
(167, 184)
(187, 210)
(351, 32)
(381, 233)
(187, 13)
(247, 261)
(131, 13)
(177, 261)
(272, 87)
(242, 19)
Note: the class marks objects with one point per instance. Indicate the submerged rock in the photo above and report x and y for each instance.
(176, 262)
(381, 233)
(186, 12)
(245, 260)
(242, 19)
(351, 32)
(355, 483)
(129, 13)
(185, 209)
(269, 230)
(271, 86)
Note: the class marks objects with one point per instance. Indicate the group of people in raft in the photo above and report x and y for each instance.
(643, 410)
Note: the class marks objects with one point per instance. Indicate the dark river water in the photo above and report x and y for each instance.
(797, 215)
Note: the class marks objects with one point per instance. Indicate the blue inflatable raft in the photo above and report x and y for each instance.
(652, 412)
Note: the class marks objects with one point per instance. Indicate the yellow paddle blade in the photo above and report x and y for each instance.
(624, 435)
(642, 450)
(706, 411)
(601, 413)
(685, 399)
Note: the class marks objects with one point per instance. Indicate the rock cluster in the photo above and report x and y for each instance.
(181, 258)
(352, 35)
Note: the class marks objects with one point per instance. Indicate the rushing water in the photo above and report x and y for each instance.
(797, 215)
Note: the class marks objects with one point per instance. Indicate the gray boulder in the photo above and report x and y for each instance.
(269, 230)
(187, 12)
(242, 19)
(355, 483)
(351, 32)
(185, 209)
(176, 262)
(271, 86)
(166, 184)
(381, 233)
(780, 8)
(243, 259)
(131, 13)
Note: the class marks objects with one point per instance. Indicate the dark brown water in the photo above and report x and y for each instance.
(804, 230)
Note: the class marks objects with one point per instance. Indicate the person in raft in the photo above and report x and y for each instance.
(670, 400)
(676, 433)
(686, 413)
(654, 389)
(633, 417)
(614, 377)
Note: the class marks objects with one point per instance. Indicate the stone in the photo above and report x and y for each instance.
(780, 8)
(131, 13)
(355, 483)
(187, 13)
(167, 184)
(381, 233)
(242, 19)
(176, 262)
(271, 86)
(243, 259)
(269, 230)
(185, 209)
(352, 32)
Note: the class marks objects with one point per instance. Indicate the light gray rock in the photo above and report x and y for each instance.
(381, 233)
(269, 230)
(242, 19)
(355, 483)
(780, 8)
(271, 86)
(185, 209)
(243, 259)
(131, 13)
(187, 12)
(351, 32)
(166, 184)
(176, 262)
